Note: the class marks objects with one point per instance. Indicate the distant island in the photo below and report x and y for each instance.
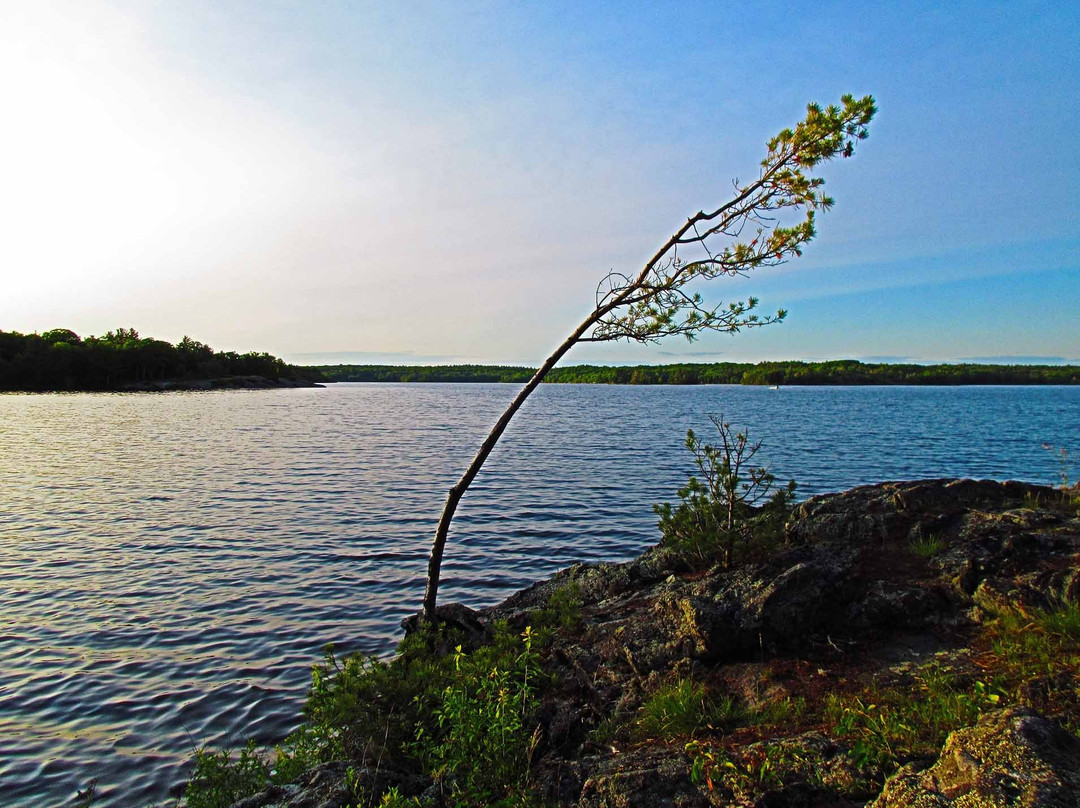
(61, 360)
(837, 372)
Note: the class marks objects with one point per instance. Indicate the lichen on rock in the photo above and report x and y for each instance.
(1012, 757)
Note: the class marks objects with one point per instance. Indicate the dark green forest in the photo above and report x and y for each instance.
(843, 371)
(62, 360)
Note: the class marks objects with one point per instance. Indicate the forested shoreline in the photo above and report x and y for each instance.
(61, 360)
(838, 372)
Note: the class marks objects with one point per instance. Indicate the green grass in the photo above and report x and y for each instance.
(1020, 659)
(1036, 657)
(683, 707)
(927, 546)
(1040, 645)
(782, 712)
(1062, 622)
(890, 726)
(1032, 502)
(393, 799)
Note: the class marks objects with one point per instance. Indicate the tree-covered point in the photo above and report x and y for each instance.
(62, 360)
(844, 371)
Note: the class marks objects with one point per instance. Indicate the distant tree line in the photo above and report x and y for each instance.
(62, 360)
(422, 373)
(849, 371)
(843, 371)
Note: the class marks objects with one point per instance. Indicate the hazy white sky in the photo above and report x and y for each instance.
(448, 182)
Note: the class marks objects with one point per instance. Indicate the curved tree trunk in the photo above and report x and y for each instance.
(462, 485)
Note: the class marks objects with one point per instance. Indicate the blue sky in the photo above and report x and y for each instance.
(448, 182)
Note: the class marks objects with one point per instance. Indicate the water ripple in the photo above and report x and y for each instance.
(171, 565)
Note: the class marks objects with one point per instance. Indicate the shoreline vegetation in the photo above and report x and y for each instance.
(849, 657)
(836, 372)
(61, 361)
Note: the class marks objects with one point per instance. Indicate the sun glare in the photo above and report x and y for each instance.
(115, 160)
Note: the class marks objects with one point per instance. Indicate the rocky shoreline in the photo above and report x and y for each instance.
(819, 665)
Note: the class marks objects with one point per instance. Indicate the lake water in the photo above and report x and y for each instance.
(172, 564)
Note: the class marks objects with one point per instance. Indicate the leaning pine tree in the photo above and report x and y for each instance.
(743, 234)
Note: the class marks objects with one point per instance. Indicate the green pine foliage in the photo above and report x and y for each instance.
(718, 514)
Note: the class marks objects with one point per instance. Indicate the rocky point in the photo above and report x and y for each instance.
(898, 647)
